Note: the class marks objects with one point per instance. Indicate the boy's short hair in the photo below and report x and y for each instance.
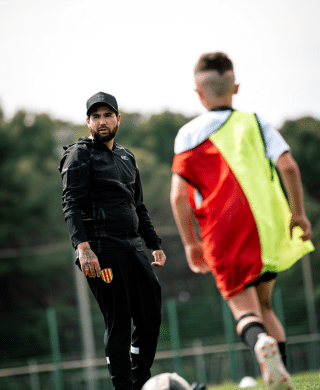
(217, 61)
(214, 74)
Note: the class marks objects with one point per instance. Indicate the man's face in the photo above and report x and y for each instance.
(103, 124)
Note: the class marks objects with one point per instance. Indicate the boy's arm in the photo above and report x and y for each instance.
(182, 213)
(290, 174)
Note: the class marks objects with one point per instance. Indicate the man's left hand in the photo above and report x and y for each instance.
(159, 258)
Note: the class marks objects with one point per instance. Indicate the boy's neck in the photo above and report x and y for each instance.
(213, 102)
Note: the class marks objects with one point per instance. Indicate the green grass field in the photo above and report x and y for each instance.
(305, 381)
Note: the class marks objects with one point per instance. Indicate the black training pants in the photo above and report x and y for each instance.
(133, 293)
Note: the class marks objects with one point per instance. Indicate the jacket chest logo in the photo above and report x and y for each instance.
(124, 157)
(106, 275)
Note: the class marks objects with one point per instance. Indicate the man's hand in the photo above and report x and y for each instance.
(88, 261)
(159, 258)
(194, 255)
(305, 225)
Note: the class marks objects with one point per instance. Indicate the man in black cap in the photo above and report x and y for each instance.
(106, 218)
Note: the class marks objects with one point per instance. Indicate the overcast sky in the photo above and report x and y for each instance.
(56, 54)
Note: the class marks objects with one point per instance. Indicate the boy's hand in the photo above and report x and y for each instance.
(195, 258)
(305, 225)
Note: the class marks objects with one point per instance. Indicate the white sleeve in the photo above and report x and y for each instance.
(275, 143)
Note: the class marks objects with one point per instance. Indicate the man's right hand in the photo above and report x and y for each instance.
(88, 261)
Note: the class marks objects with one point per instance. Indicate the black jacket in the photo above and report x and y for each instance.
(102, 198)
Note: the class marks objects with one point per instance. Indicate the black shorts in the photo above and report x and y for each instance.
(266, 277)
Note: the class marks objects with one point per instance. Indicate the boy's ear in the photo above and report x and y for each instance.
(236, 89)
(200, 93)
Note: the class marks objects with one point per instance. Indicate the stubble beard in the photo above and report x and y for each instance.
(98, 137)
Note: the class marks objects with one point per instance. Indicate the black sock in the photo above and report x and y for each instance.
(282, 349)
(250, 333)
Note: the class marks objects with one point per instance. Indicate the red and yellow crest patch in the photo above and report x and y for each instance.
(106, 275)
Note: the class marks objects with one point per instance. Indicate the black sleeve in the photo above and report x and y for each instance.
(75, 170)
(146, 229)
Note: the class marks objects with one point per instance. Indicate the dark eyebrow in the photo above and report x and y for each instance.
(109, 113)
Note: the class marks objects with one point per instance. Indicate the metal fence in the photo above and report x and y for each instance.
(197, 340)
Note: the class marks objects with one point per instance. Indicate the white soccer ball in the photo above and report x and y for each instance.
(247, 381)
(167, 381)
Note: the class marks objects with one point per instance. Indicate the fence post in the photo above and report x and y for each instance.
(313, 348)
(175, 338)
(200, 362)
(55, 347)
(87, 328)
(229, 332)
(34, 375)
(309, 294)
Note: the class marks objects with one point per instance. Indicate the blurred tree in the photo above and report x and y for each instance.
(303, 136)
(155, 133)
(30, 206)
(159, 132)
(30, 212)
(130, 133)
(156, 181)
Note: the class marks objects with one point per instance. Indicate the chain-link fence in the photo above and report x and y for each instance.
(194, 341)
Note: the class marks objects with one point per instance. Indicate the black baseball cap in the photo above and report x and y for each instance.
(102, 97)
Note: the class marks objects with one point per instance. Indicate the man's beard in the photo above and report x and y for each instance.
(105, 137)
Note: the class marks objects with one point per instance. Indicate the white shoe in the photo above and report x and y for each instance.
(274, 373)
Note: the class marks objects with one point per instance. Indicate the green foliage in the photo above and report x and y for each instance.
(29, 213)
(156, 179)
(159, 132)
(152, 141)
(130, 129)
(155, 133)
(303, 136)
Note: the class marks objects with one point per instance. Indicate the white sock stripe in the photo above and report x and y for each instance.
(108, 360)
(135, 350)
